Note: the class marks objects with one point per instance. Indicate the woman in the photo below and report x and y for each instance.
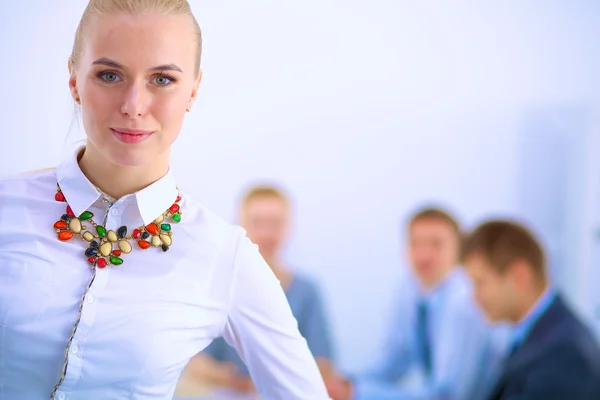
(111, 279)
(265, 214)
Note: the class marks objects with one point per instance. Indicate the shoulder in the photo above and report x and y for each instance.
(39, 179)
(225, 243)
(568, 339)
(574, 336)
(305, 282)
(459, 299)
(456, 288)
(207, 228)
(565, 325)
(581, 358)
(27, 189)
(306, 289)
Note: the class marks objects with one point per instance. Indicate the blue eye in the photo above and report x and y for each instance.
(109, 77)
(162, 80)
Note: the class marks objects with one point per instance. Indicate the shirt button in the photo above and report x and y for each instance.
(74, 349)
(61, 396)
(90, 298)
(114, 212)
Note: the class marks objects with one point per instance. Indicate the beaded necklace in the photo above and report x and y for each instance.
(101, 242)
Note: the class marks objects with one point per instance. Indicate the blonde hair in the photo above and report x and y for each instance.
(134, 7)
(264, 191)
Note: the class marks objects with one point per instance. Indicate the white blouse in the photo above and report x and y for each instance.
(69, 330)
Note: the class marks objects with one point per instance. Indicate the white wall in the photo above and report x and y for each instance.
(584, 246)
(363, 109)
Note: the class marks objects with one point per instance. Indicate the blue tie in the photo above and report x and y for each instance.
(423, 336)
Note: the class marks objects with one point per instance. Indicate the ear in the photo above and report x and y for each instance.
(73, 82)
(521, 273)
(195, 91)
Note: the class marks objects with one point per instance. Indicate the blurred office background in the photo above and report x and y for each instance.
(364, 110)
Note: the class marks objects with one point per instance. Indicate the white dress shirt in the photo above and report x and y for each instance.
(128, 331)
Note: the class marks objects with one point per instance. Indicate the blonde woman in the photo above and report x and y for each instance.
(111, 278)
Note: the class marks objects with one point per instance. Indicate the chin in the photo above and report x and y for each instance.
(129, 157)
(493, 317)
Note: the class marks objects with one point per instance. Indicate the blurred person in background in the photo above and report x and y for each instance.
(439, 345)
(265, 212)
(553, 355)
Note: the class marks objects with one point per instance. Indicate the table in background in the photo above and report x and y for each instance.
(190, 389)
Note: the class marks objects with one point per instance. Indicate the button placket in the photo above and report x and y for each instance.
(83, 326)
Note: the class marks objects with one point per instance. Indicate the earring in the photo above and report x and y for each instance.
(77, 100)
(187, 110)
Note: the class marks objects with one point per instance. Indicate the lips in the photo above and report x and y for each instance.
(131, 131)
(131, 135)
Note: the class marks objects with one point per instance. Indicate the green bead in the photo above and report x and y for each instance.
(101, 231)
(86, 215)
(176, 217)
(116, 260)
(165, 227)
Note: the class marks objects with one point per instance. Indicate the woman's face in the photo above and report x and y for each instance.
(135, 79)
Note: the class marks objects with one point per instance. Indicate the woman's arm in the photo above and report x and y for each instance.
(261, 327)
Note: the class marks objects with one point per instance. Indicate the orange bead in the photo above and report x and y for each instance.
(60, 225)
(152, 228)
(143, 244)
(65, 235)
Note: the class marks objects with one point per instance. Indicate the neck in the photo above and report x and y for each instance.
(529, 301)
(431, 285)
(117, 180)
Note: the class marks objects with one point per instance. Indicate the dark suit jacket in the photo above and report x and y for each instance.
(559, 360)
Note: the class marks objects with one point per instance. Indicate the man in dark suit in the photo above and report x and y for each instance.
(552, 355)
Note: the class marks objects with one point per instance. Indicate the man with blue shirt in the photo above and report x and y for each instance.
(553, 355)
(439, 345)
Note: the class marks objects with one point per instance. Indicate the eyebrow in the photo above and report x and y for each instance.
(113, 64)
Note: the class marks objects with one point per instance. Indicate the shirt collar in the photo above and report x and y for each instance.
(522, 329)
(81, 194)
(435, 294)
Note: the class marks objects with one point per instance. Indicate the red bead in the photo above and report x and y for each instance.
(92, 260)
(101, 263)
(59, 196)
(117, 252)
(178, 199)
(65, 235)
(152, 228)
(70, 212)
(143, 244)
(60, 225)
(174, 208)
(137, 233)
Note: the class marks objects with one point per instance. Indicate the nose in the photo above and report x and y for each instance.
(136, 101)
